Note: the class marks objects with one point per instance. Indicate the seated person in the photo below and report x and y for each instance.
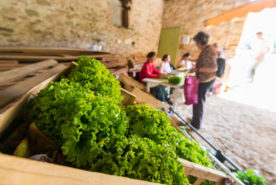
(186, 61)
(165, 65)
(149, 71)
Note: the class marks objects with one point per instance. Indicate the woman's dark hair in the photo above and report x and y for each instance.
(186, 55)
(165, 57)
(201, 38)
(151, 54)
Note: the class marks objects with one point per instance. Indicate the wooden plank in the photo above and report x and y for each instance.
(218, 165)
(145, 98)
(13, 92)
(23, 71)
(116, 63)
(198, 181)
(38, 58)
(8, 62)
(15, 170)
(202, 172)
(9, 114)
(49, 50)
(118, 72)
(220, 183)
(241, 11)
(128, 97)
(130, 83)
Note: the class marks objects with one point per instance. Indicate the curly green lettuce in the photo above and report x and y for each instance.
(92, 74)
(77, 120)
(141, 158)
(146, 121)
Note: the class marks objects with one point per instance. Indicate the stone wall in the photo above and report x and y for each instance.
(190, 15)
(77, 23)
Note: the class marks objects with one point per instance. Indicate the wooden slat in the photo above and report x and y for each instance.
(128, 97)
(24, 71)
(9, 114)
(145, 98)
(8, 62)
(118, 72)
(130, 83)
(38, 58)
(22, 87)
(115, 63)
(49, 50)
(15, 170)
(220, 182)
(241, 11)
(222, 167)
(198, 181)
(202, 172)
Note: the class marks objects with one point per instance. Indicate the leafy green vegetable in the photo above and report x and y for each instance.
(145, 121)
(175, 79)
(77, 119)
(249, 177)
(82, 115)
(141, 158)
(92, 74)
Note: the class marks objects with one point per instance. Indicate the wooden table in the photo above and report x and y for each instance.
(153, 82)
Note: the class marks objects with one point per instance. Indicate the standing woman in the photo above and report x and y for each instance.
(206, 67)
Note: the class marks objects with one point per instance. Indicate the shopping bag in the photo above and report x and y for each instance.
(191, 90)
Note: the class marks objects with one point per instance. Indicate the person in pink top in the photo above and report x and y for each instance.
(149, 71)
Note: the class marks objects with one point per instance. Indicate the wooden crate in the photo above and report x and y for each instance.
(15, 170)
(24, 171)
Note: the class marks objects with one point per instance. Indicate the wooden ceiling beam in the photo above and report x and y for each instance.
(241, 11)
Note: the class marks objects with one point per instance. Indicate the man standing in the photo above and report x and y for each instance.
(260, 48)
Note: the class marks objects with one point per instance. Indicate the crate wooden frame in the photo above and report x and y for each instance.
(27, 172)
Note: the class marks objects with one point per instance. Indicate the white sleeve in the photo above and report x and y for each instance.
(162, 68)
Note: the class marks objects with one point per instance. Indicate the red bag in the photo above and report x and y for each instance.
(191, 90)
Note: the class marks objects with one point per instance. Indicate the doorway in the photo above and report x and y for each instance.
(169, 43)
(261, 92)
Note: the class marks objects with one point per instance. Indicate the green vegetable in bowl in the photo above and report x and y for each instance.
(175, 79)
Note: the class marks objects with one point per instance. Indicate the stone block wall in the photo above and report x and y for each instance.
(78, 23)
(191, 15)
